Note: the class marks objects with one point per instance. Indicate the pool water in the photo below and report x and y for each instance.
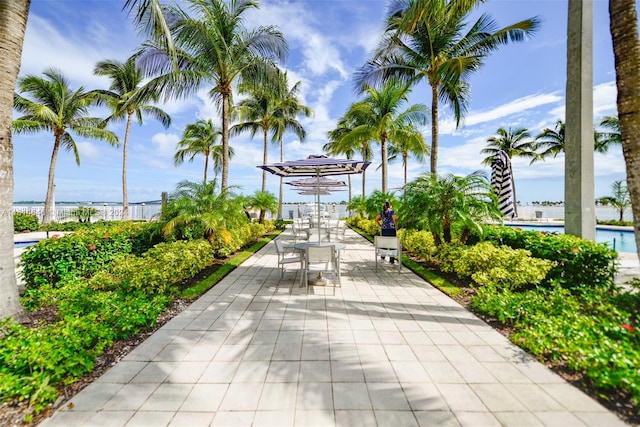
(22, 245)
(620, 240)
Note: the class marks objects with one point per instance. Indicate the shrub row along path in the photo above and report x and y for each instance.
(384, 349)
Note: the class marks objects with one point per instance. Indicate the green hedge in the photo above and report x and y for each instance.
(570, 255)
(24, 222)
(83, 252)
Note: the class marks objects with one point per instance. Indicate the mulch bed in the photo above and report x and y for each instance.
(13, 413)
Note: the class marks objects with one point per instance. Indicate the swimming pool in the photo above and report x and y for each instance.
(620, 240)
(22, 245)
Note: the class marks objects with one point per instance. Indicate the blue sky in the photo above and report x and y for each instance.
(521, 85)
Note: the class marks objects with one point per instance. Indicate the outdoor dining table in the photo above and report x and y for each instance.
(302, 248)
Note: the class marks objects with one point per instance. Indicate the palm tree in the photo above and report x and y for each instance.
(515, 143)
(552, 140)
(430, 41)
(412, 145)
(442, 204)
(58, 109)
(340, 142)
(264, 201)
(379, 119)
(194, 210)
(213, 48)
(271, 108)
(610, 136)
(200, 138)
(619, 199)
(127, 98)
(13, 23)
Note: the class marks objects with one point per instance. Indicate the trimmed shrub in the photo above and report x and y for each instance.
(570, 255)
(81, 253)
(23, 222)
(503, 266)
(418, 242)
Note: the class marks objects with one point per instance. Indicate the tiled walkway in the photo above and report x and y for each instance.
(384, 349)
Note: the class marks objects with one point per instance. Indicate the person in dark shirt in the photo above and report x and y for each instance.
(388, 224)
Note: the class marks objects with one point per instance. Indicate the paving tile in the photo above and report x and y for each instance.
(278, 396)
(204, 398)
(315, 371)
(130, 397)
(351, 396)
(167, 397)
(315, 418)
(219, 372)
(187, 372)
(461, 398)
(150, 419)
(313, 396)
(233, 419)
(355, 418)
(396, 418)
(192, 419)
(436, 418)
(497, 398)
(473, 419)
(242, 397)
(274, 418)
(387, 396)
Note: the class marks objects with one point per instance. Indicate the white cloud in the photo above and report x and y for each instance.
(165, 144)
(88, 150)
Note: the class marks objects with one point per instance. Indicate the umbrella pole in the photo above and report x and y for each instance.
(318, 191)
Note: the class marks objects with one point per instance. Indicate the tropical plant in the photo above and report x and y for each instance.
(620, 198)
(623, 24)
(214, 49)
(263, 201)
(127, 98)
(272, 107)
(552, 141)
(201, 138)
(375, 203)
(194, 211)
(431, 41)
(358, 205)
(515, 143)
(413, 145)
(341, 143)
(610, 136)
(56, 108)
(379, 118)
(444, 204)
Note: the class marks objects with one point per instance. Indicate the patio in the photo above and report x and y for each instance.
(383, 349)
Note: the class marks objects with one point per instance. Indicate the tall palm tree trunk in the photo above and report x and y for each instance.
(383, 153)
(125, 154)
(280, 196)
(515, 199)
(224, 182)
(265, 148)
(48, 201)
(626, 49)
(434, 129)
(206, 168)
(13, 20)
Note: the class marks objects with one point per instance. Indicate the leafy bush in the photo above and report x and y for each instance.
(418, 242)
(81, 253)
(593, 331)
(24, 222)
(112, 305)
(486, 263)
(570, 255)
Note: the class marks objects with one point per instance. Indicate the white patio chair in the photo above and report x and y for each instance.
(338, 230)
(388, 246)
(284, 259)
(321, 260)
